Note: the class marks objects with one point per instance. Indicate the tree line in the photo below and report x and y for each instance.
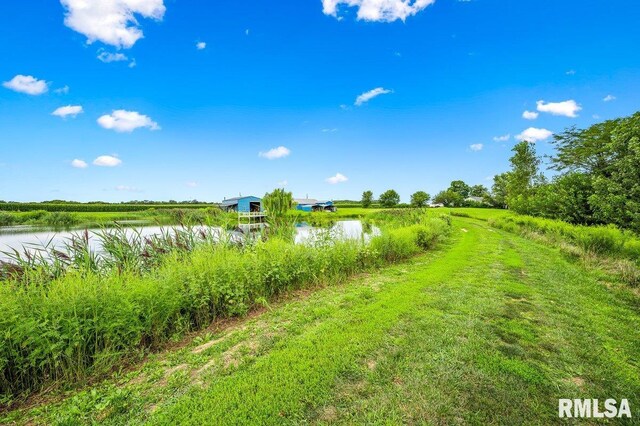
(596, 181)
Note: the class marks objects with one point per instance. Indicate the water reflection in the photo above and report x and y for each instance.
(24, 236)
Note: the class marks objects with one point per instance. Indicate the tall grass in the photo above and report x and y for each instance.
(618, 250)
(92, 317)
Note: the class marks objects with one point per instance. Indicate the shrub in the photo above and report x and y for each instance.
(6, 219)
(60, 219)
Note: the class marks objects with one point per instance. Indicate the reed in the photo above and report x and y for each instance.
(72, 315)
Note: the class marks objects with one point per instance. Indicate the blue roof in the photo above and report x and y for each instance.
(234, 200)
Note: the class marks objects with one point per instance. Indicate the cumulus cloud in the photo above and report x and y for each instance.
(201, 45)
(112, 22)
(121, 120)
(27, 84)
(502, 138)
(609, 98)
(367, 96)
(533, 134)
(530, 115)
(107, 161)
(62, 90)
(338, 178)
(68, 111)
(376, 10)
(79, 164)
(476, 147)
(107, 57)
(567, 108)
(274, 153)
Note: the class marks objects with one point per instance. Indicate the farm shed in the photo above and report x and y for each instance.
(311, 205)
(248, 204)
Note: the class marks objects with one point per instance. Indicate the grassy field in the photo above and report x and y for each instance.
(491, 328)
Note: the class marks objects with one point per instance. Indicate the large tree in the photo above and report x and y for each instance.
(389, 198)
(478, 191)
(499, 190)
(449, 198)
(419, 199)
(367, 199)
(460, 187)
(523, 177)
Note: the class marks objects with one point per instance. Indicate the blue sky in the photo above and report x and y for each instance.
(166, 118)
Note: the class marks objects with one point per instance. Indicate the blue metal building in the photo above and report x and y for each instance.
(248, 204)
(310, 205)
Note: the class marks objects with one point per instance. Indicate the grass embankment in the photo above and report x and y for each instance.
(71, 218)
(75, 320)
(604, 248)
(491, 329)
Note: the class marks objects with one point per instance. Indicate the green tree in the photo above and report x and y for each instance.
(499, 190)
(419, 199)
(616, 182)
(460, 187)
(389, 198)
(478, 191)
(449, 198)
(367, 199)
(277, 204)
(523, 177)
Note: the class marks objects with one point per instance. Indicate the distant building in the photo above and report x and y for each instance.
(248, 204)
(311, 205)
(436, 205)
(475, 199)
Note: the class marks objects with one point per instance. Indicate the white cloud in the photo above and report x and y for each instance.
(329, 130)
(367, 96)
(567, 108)
(79, 164)
(68, 111)
(27, 84)
(571, 72)
(377, 10)
(502, 138)
(107, 161)
(533, 134)
(274, 153)
(112, 22)
(530, 115)
(476, 147)
(121, 120)
(107, 57)
(246, 31)
(609, 98)
(338, 178)
(192, 184)
(62, 90)
(201, 45)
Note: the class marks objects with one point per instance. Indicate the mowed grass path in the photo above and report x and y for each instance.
(488, 329)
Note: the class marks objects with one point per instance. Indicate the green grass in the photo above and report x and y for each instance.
(71, 322)
(477, 213)
(490, 329)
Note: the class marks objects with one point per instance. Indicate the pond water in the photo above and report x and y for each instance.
(24, 237)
